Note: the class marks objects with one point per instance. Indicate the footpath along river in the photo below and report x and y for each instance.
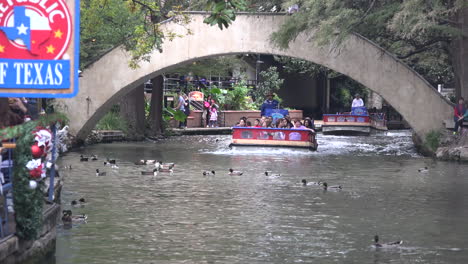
(191, 218)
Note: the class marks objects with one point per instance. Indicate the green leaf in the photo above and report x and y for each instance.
(215, 91)
(180, 116)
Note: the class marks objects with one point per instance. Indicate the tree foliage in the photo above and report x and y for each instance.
(417, 31)
(219, 66)
(224, 12)
(137, 24)
(104, 25)
(270, 82)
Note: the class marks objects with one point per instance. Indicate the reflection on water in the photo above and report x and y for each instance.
(191, 218)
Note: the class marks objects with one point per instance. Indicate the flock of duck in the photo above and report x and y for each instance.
(68, 219)
(159, 167)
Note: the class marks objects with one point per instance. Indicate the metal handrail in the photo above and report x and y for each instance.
(5, 188)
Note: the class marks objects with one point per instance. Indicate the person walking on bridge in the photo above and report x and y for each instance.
(458, 116)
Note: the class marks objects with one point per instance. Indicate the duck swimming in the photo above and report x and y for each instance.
(68, 218)
(98, 173)
(305, 183)
(81, 202)
(233, 172)
(145, 162)
(269, 173)
(386, 245)
(326, 186)
(161, 165)
(423, 170)
(109, 162)
(83, 158)
(154, 172)
(171, 171)
(205, 173)
(94, 157)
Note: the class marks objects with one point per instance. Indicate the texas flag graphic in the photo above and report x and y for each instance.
(23, 33)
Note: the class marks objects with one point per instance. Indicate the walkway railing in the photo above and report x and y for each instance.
(7, 222)
(6, 190)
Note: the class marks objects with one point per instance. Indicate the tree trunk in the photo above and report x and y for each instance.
(460, 56)
(132, 109)
(156, 106)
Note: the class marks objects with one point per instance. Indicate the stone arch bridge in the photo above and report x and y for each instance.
(109, 79)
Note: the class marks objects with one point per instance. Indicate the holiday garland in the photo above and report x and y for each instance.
(28, 201)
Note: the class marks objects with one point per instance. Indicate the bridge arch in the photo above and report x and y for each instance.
(107, 80)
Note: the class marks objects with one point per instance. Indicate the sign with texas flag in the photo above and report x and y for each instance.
(38, 48)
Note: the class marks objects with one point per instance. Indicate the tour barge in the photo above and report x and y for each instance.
(356, 122)
(273, 137)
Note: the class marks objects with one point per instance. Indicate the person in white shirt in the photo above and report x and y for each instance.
(357, 102)
(181, 106)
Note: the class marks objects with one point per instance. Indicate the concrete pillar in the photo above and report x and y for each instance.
(132, 109)
(327, 94)
(374, 100)
(156, 106)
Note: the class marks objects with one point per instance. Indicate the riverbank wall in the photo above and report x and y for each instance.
(453, 147)
(444, 146)
(14, 250)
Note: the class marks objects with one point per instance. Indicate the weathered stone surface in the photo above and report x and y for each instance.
(13, 250)
(464, 154)
(452, 147)
(51, 216)
(7, 247)
(93, 138)
(357, 57)
(38, 248)
(442, 153)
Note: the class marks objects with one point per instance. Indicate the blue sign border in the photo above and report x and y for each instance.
(76, 65)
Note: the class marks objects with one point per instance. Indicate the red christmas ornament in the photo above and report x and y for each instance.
(36, 173)
(36, 151)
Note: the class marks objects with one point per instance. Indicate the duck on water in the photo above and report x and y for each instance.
(154, 172)
(235, 173)
(100, 173)
(386, 245)
(69, 218)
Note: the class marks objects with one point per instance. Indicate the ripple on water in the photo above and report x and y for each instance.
(191, 218)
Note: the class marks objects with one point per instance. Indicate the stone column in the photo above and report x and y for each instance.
(327, 94)
(156, 106)
(132, 109)
(374, 100)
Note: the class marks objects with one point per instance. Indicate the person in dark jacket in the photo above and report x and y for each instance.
(459, 111)
(7, 116)
(269, 103)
